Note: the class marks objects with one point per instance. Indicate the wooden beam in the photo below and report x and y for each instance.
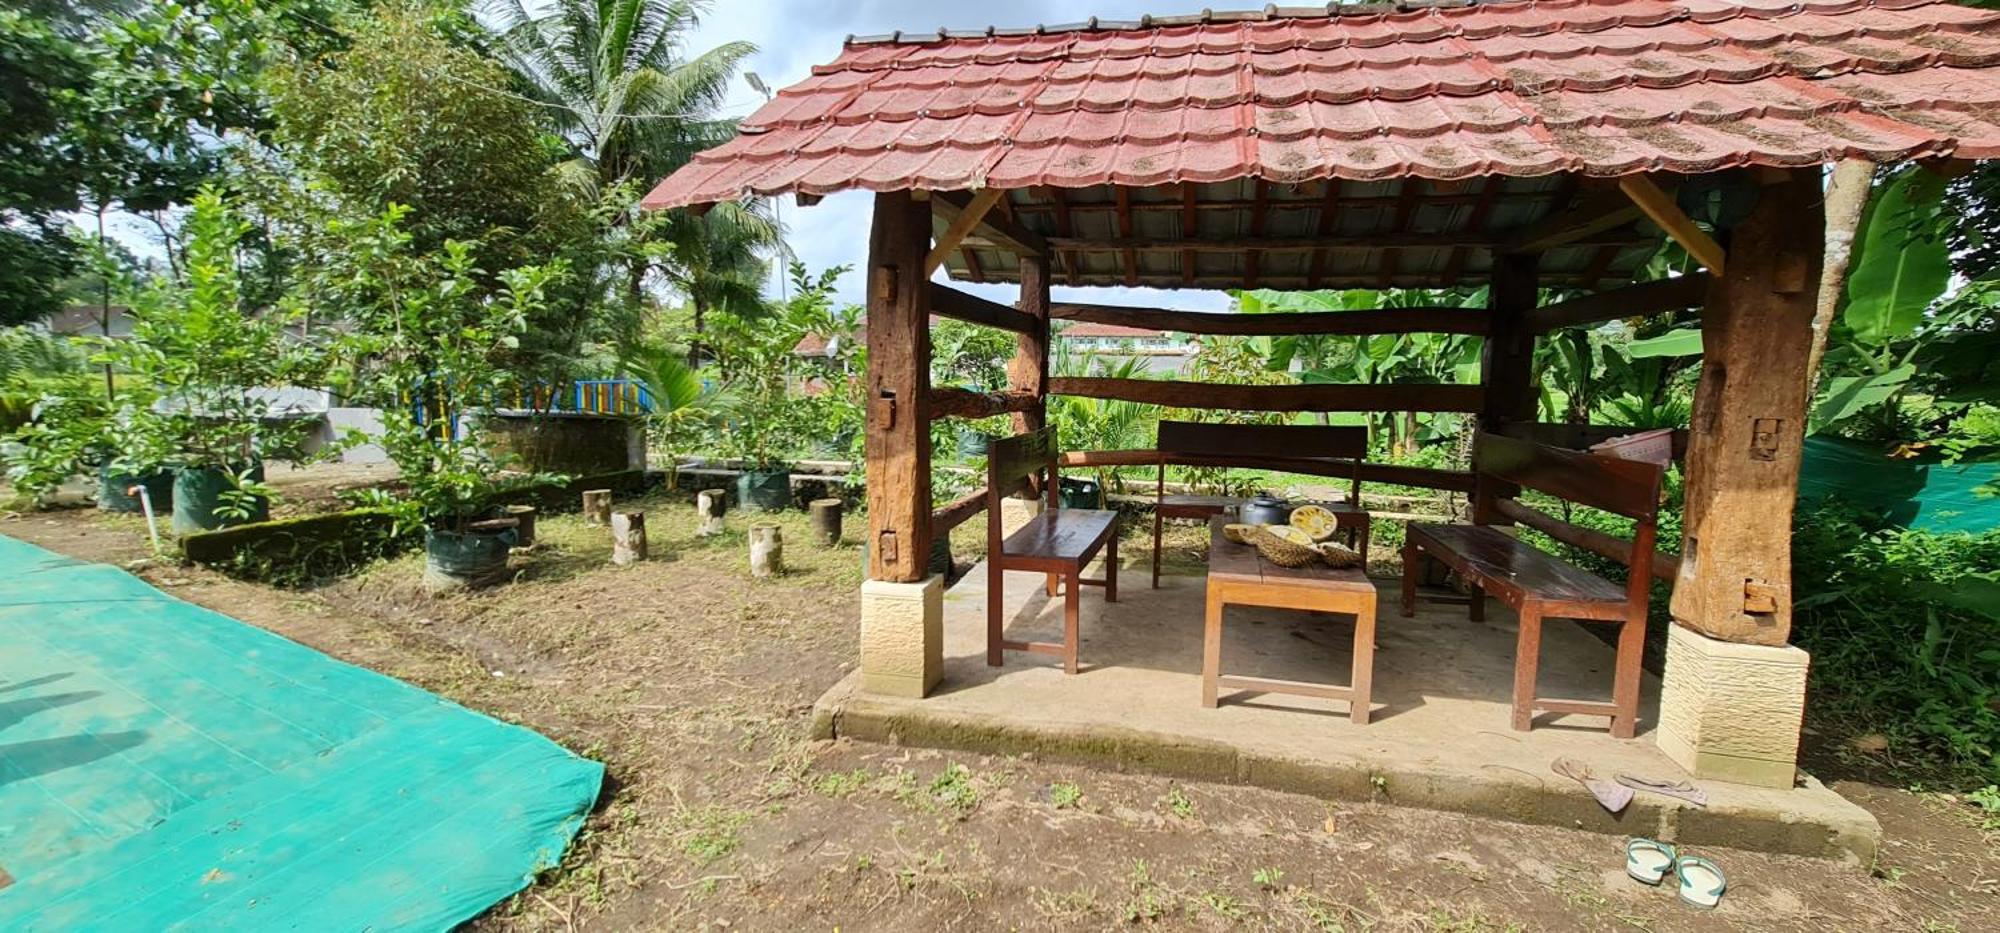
(1261, 195)
(1423, 477)
(961, 226)
(1028, 370)
(972, 309)
(1329, 205)
(1639, 300)
(1660, 206)
(898, 430)
(956, 512)
(1129, 259)
(1476, 222)
(1406, 206)
(1064, 227)
(1190, 229)
(1178, 394)
(1345, 323)
(1595, 214)
(1506, 365)
(1297, 244)
(994, 226)
(954, 402)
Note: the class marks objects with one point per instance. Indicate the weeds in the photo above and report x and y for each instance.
(710, 833)
(1178, 803)
(1065, 796)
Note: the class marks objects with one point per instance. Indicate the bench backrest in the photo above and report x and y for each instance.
(1263, 440)
(1623, 487)
(1014, 461)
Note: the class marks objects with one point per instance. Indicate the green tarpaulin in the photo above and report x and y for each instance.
(1914, 493)
(163, 766)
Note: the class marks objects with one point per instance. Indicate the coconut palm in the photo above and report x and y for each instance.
(612, 73)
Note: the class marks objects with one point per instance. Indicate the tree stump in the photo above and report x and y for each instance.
(826, 521)
(767, 549)
(709, 507)
(524, 516)
(628, 537)
(597, 506)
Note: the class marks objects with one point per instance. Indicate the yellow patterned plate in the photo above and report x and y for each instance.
(1315, 521)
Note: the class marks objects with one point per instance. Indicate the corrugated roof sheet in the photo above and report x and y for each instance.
(1519, 88)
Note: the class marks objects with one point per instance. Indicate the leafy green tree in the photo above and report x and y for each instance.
(440, 335)
(611, 73)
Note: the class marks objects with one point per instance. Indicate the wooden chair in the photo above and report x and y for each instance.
(1059, 542)
(1184, 441)
(1538, 585)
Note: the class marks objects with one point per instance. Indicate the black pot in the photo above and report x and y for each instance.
(197, 492)
(459, 559)
(1266, 509)
(1080, 493)
(765, 488)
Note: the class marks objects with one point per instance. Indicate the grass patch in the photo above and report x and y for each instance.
(709, 833)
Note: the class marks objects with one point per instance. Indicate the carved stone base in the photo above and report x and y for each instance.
(1730, 711)
(902, 636)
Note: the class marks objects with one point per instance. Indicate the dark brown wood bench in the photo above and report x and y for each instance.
(1537, 585)
(1182, 441)
(1059, 542)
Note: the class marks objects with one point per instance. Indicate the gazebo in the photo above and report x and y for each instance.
(1522, 145)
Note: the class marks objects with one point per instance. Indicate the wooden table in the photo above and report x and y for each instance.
(1238, 575)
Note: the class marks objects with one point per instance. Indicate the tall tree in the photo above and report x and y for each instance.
(614, 77)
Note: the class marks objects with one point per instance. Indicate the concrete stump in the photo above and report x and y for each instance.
(902, 637)
(628, 537)
(1731, 711)
(826, 521)
(597, 506)
(767, 549)
(709, 506)
(1016, 512)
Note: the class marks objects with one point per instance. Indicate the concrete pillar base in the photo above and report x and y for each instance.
(902, 636)
(1730, 711)
(1015, 512)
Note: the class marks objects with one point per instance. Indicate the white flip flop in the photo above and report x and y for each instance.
(1702, 881)
(1648, 860)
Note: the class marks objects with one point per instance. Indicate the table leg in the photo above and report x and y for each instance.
(1363, 679)
(1211, 650)
(1072, 611)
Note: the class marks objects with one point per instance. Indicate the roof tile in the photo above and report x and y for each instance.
(1517, 87)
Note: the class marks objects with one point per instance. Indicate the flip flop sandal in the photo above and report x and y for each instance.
(1702, 881)
(1648, 860)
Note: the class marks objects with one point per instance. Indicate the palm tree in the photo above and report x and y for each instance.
(613, 74)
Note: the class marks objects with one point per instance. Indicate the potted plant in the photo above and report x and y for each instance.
(214, 364)
(427, 336)
(755, 354)
(676, 400)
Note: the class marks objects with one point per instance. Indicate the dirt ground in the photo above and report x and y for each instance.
(694, 684)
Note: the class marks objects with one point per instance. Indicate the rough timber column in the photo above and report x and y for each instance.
(902, 611)
(1506, 362)
(1028, 371)
(1734, 691)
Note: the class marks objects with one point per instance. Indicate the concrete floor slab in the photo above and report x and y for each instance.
(1440, 738)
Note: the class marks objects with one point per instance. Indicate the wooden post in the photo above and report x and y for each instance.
(826, 521)
(709, 506)
(1028, 371)
(767, 549)
(898, 442)
(597, 506)
(1735, 582)
(524, 516)
(1506, 362)
(628, 537)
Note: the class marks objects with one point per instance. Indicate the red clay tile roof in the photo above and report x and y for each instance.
(1520, 88)
(1088, 329)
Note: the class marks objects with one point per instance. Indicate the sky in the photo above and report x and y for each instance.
(794, 35)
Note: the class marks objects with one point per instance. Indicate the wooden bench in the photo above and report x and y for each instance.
(1179, 441)
(1059, 542)
(1539, 586)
